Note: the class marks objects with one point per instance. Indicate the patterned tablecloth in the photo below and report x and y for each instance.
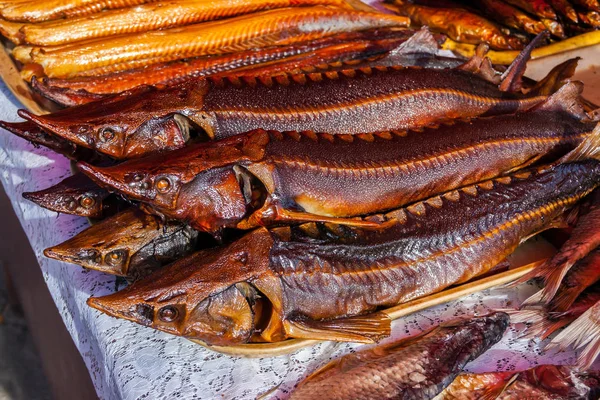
(127, 361)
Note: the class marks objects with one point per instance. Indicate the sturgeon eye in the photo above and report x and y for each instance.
(163, 185)
(115, 257)
(168, 314)
(87, 202)
(107, 134)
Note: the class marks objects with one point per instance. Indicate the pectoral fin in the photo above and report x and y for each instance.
(362, 329)
(274, 213)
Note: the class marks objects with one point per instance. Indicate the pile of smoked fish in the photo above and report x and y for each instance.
(503, 24)
(344, 170)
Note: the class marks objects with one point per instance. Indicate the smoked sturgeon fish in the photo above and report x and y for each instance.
(130, 243)
(269, 285)
(341, 102)
(412, 368)
(75, 195)
(306, 177)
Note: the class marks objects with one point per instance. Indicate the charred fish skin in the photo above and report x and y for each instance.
(75, 195)
(319, 289)
(418, 368)
(131, 244)
(304, 175)
(353, 102)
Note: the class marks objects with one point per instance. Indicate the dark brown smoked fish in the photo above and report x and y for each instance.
(271, 288)
(130, 243)
(76, 195)
(413, 368)
(305, 176)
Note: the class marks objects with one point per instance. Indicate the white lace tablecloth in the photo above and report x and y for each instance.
(128, 361)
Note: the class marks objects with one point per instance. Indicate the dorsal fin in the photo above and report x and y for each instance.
(512, 78)
(421, 42)
(481, 65)
(566, 100)
(555, 78)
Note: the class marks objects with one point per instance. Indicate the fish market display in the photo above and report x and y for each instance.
(545, 382)
(412, 368)
(504, 24)
(260, 171)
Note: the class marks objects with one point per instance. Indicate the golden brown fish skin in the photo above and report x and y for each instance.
(130, 243)
(39, 11)
(413, 368)
(309, 172)
(511, 16)
(75, 195)
(274, 27)
(311, 285)
(459, 24)
(152, 16)
(555, 28)
(11, 31)
(339, 48)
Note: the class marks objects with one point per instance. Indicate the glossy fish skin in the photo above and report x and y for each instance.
(413, 368)
(268, 28)
(459, 24)
(130, 243)
(352, 102)
(338, 49)
(39, 11)
(306, 173)
(76, 195)
(152, 16)
(322, 289)
(511, 16)
(106, 126)
(545, 382)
